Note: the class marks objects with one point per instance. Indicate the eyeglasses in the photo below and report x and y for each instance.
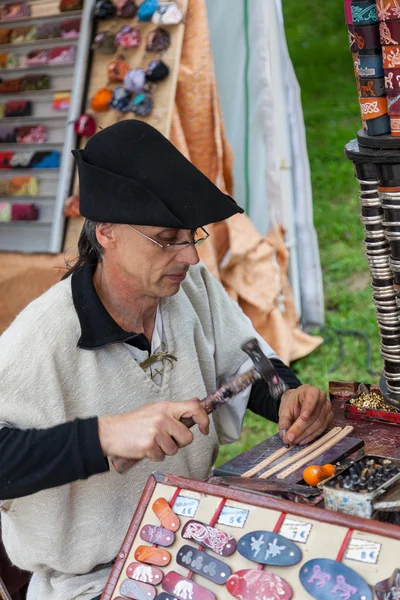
(177, 245)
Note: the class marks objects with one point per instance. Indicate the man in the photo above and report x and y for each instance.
(109, 360)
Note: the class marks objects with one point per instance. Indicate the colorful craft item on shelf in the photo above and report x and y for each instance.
(182, 588)
(19, 186)
(70, 28)
(2, 110)
(167, 13)
(24, 33)
(85, 126)
(145, 573)
(370, 65)
(35, 160)
(249, 584)
(49, 31)
(69, 5)
(37, 57)
(117, 69)
(372, 88)
(104, 42)
(71, 207)
(268, 548)
(10, 212)
(101, 100)
(8, 60)
(146, 10)
(31, 134)
(61, 101)
(141, 104)
(128, 37)
(363, 12)
(18, 108)
(104, 9)
(158, 40)
(126, 9)
(157, 70)
(135, 80)
(35, 82)
(5, 158)
(63, 55)
(388, 10)
(16, 10)
(120, 99)
(5, 36)
(324, 578)
(8, 135)
(391, 57)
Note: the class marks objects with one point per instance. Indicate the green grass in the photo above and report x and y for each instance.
(317, 39)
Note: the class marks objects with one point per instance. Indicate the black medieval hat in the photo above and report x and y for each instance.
(130, 173)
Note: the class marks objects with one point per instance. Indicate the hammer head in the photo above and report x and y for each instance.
(265, 368)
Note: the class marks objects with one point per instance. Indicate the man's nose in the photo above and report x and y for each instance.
(188, 255)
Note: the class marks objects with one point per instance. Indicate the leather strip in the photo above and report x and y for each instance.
(378, 126)
(391, 57)
(392, 80)
(393, 103)
(395, 126)
(373, 108)
(370, 65)
(367, 37)
(389, 33)
(352, 39)
(372, 88)
(363, 12)
(388, 10)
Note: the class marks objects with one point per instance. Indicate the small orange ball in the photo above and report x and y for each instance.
(314, 474)
(328, 470)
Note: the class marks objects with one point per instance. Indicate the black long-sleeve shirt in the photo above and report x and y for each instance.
(37, 459)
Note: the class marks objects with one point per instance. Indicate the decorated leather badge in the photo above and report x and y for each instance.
(157, 535)
(185, 589)
(268, 548)
(203, 564)
(252, 584)
(144, 573)
(328, 579)
(216, 540)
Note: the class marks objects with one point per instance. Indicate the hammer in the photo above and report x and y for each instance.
(263, 369)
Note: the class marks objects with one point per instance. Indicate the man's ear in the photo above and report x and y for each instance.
(106, 234)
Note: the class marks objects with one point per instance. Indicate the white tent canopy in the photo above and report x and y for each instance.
(261, 105)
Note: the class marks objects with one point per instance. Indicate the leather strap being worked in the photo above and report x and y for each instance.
(267, 461)
(298, 455)
(329, 444)
(4, 595)
(367, 37)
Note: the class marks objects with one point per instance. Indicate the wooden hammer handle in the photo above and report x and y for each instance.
(209, 403)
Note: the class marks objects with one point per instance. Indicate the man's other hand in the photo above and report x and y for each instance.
(305, 413)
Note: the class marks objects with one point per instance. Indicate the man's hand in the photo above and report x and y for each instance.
(153, 431)
(305, 413)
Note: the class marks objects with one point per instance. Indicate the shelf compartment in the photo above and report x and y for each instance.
(37, 19)
(45, 42)
(27, 69)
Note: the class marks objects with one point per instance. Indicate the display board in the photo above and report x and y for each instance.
(261, 545)
(44, 52)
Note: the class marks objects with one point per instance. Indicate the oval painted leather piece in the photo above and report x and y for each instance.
(152, 556)
(327, 579)
(162, 596)
(166, 515)
(252, 583)
(157, 535)
(145, 573)
(137, 590)
(185, 589)
(268, 548)
(203, 564)
(216, 540)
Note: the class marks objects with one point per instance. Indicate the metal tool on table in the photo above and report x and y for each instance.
(263, 369)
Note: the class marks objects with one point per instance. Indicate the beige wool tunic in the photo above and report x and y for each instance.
(67, 534)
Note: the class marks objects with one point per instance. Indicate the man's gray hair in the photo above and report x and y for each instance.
(90, 252)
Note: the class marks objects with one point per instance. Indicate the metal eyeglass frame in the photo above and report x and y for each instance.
(181, 244)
